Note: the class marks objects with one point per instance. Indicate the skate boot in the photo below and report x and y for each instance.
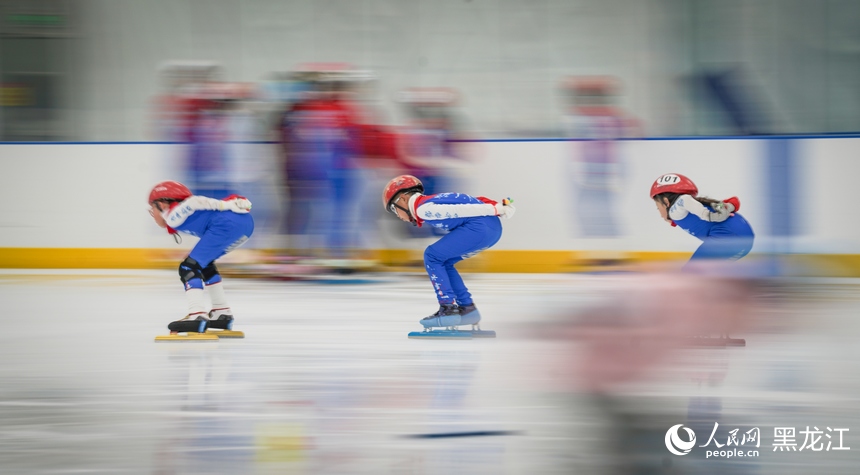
(443, 323)
(221, 319)
(194, 323)
(469, 314)
(221, 324)
(448, 315)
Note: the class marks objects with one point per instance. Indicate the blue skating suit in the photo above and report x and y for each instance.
(473, 226)
(731, 238)
(219, 231)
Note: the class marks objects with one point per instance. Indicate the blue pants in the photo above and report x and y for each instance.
(730, 240)
(226, 232)
(731, 248)
(464, 241)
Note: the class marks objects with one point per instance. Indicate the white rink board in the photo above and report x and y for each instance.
(93, 195)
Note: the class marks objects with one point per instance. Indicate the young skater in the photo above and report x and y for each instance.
(472, 225)
(724, 233)
(221, 225)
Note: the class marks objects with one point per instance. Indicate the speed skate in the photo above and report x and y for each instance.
(452, 333)
(201, 329)
(445, 322)
(193, 336)
(222, 327)
(224, 333)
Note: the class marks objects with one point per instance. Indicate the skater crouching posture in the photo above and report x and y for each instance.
(473, 226)
(221, 225)
(724, 233)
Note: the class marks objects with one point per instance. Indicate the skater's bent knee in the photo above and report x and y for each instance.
(431, 256)
(190, 269)
(210, 273)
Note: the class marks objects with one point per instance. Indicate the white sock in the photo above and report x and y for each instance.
(219, 300)
(195, 298)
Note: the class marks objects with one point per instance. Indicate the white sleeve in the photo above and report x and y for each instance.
(433, 211)
(686, 204)
(181, 212)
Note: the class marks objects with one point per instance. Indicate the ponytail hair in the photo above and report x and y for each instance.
(672, 197)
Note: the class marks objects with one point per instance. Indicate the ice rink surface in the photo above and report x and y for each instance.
(326, 382)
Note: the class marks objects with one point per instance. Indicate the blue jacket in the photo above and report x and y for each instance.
(449, 210)
(704, 221)
(197, 214)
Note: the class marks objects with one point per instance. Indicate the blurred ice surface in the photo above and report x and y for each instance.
(327, 382)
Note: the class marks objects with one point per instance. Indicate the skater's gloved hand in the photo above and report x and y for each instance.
(724, 209)
(721, 212)
(506, 210)
(235, 204)
(239, 205)
(734, 201)
(721, 208)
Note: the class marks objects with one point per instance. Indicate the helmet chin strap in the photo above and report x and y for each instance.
(411, 219)
(409, 214)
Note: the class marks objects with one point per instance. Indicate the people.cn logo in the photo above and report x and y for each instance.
(675, 444)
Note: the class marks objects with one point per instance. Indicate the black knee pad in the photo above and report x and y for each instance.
(209, 272)
(189, 269)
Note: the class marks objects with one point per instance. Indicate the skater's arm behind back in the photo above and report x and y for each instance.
(454, 205)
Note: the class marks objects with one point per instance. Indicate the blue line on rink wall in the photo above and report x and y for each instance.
(91, 143)
(847, 135)
(133, 143)
(852, 135)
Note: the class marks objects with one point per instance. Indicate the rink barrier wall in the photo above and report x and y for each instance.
(488, 261)
(79, 258)
(555, 200)
(559, 261)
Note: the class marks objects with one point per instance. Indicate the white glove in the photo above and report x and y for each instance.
(507, 209)
(238, 205)
(721, 212)
(723, 207)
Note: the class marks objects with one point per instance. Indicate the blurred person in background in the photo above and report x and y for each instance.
(426, 147)
(319, 137)
(303, 178)
(252, 164)
(724, 233)
(208, 164)
(356, 181)
(597, 171)
(179, 101)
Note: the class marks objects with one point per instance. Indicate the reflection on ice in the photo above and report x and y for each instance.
(582, 378)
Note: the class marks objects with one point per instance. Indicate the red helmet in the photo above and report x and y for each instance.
(169, 190)
(674, 183)
(399, 185)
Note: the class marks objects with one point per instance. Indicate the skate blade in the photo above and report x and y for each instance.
(225, 333)
(441, 335)
(187, 337)
(483, 334)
